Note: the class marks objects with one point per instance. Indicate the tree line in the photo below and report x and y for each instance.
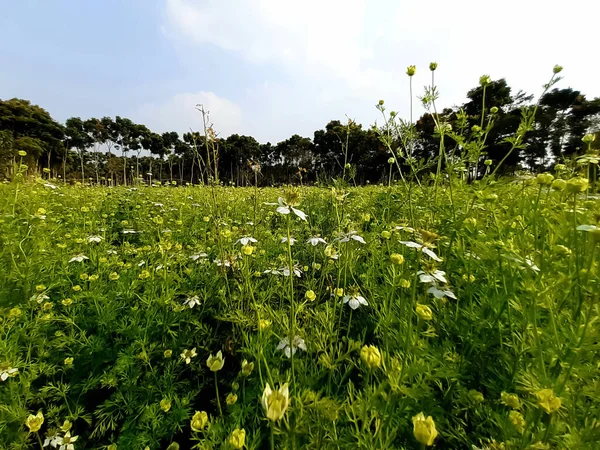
(114, 151)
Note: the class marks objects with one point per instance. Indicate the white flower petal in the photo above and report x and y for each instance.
(431, 254)
(299, 213)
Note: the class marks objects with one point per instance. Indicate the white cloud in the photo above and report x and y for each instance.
(341, 56)
(179, 113)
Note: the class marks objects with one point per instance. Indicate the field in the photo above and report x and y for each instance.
(398, 316)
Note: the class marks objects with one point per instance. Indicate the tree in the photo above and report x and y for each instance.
(78, 138)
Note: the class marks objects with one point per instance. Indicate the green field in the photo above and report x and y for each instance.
(474, 304)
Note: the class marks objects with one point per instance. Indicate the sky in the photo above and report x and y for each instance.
(273, 68)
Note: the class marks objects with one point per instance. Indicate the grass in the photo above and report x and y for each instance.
(481, 312)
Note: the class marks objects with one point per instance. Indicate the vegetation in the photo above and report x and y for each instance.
(447, 307)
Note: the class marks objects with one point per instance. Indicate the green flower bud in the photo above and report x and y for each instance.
(494, 109)
(391, 160)
(411, 70)
(557, 69)
(588, 138)
(371, 356)
(381, 102)
(488, 162)
(433, 66)
(559, 185)
(484, 80)
(575, 185)
(544, 178)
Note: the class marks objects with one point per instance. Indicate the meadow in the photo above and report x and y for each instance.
(409, 315)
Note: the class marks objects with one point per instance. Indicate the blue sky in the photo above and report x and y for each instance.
(271, 68)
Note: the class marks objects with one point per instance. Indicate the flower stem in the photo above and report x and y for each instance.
(217, 393)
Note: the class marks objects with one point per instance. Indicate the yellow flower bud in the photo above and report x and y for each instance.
(559, 185)
(237, 439)
(68, 361)
(424, 429)
(276, 402)
(371, 356)
(386, 234)
(22, 153)
(576, 185)
(511, 400)
(424, 312)
(411, 70)
(165, 404)
(231, 398)
(168, 353)
(396, 258)
(215, 363)
(199, 421)
(517, 419)
(263, 324)
(248, 250)
(247, 368)
(310, 295)
(548, 401)
(433, 66)
(544, 178)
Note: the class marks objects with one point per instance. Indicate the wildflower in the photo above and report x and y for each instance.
(84, 276)
(424, 429)
(484, 80)
(215, 363)
(197, 256)
(310, 295)
(285, 240)
(76, 288)
(391, 160)
(78, 258)
(67, 302)
(433, 66)
(7, 371)
(192, 301)
(544, 178)
(168, 353)
(423, 248)
(94, 277)
(339, 292)
(355, 300)
(113, 276)
(476, 396)
(286, 272)
(47, 306)
(440, 293)
(331, 252)
(510, 400)
(557, 69)
(517, 419)
(396, 258)
(68, 361)
(237, 439)
(352, 235)
(559, 185)
(231, 399)
(94, 239)
(66, 442)
(493, 110)
(247, 368)
(287, 207)
(263, 324)
(291, 349)
(276, 402)
(52, 438)
(165, 404)
(187, 355)
(246, 240)
(15, 312)
(315, 240)
(411, 70)
(248, 250)
(144, 275)
(424, 312)
(34, 423)
(469, 278)
(22, 153)
(404, 283)
(371, 356)
(199, 421)
(433, 277)
(576, 185)
(548, 401)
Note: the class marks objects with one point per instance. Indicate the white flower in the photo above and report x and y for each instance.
(94, 239)
(587, 228)
(284, 208)
(52, 438)
(187, 355)
(166, 230)
(246, 240)
(78, 258)
(408, 229)
(50, 185)
(40, 297)
(7, 371)
(272, 271)
(352, 235)
(192, 301)
(439, 293)
(66, 442)
(111, 252)
(285, 271)
(433, 277)
(423, 248)
(315, 240)
(141, 263)
(158, 205)
(354, 301)
(285, 239)
(197, 256)
(129, 232)
(289, 350)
